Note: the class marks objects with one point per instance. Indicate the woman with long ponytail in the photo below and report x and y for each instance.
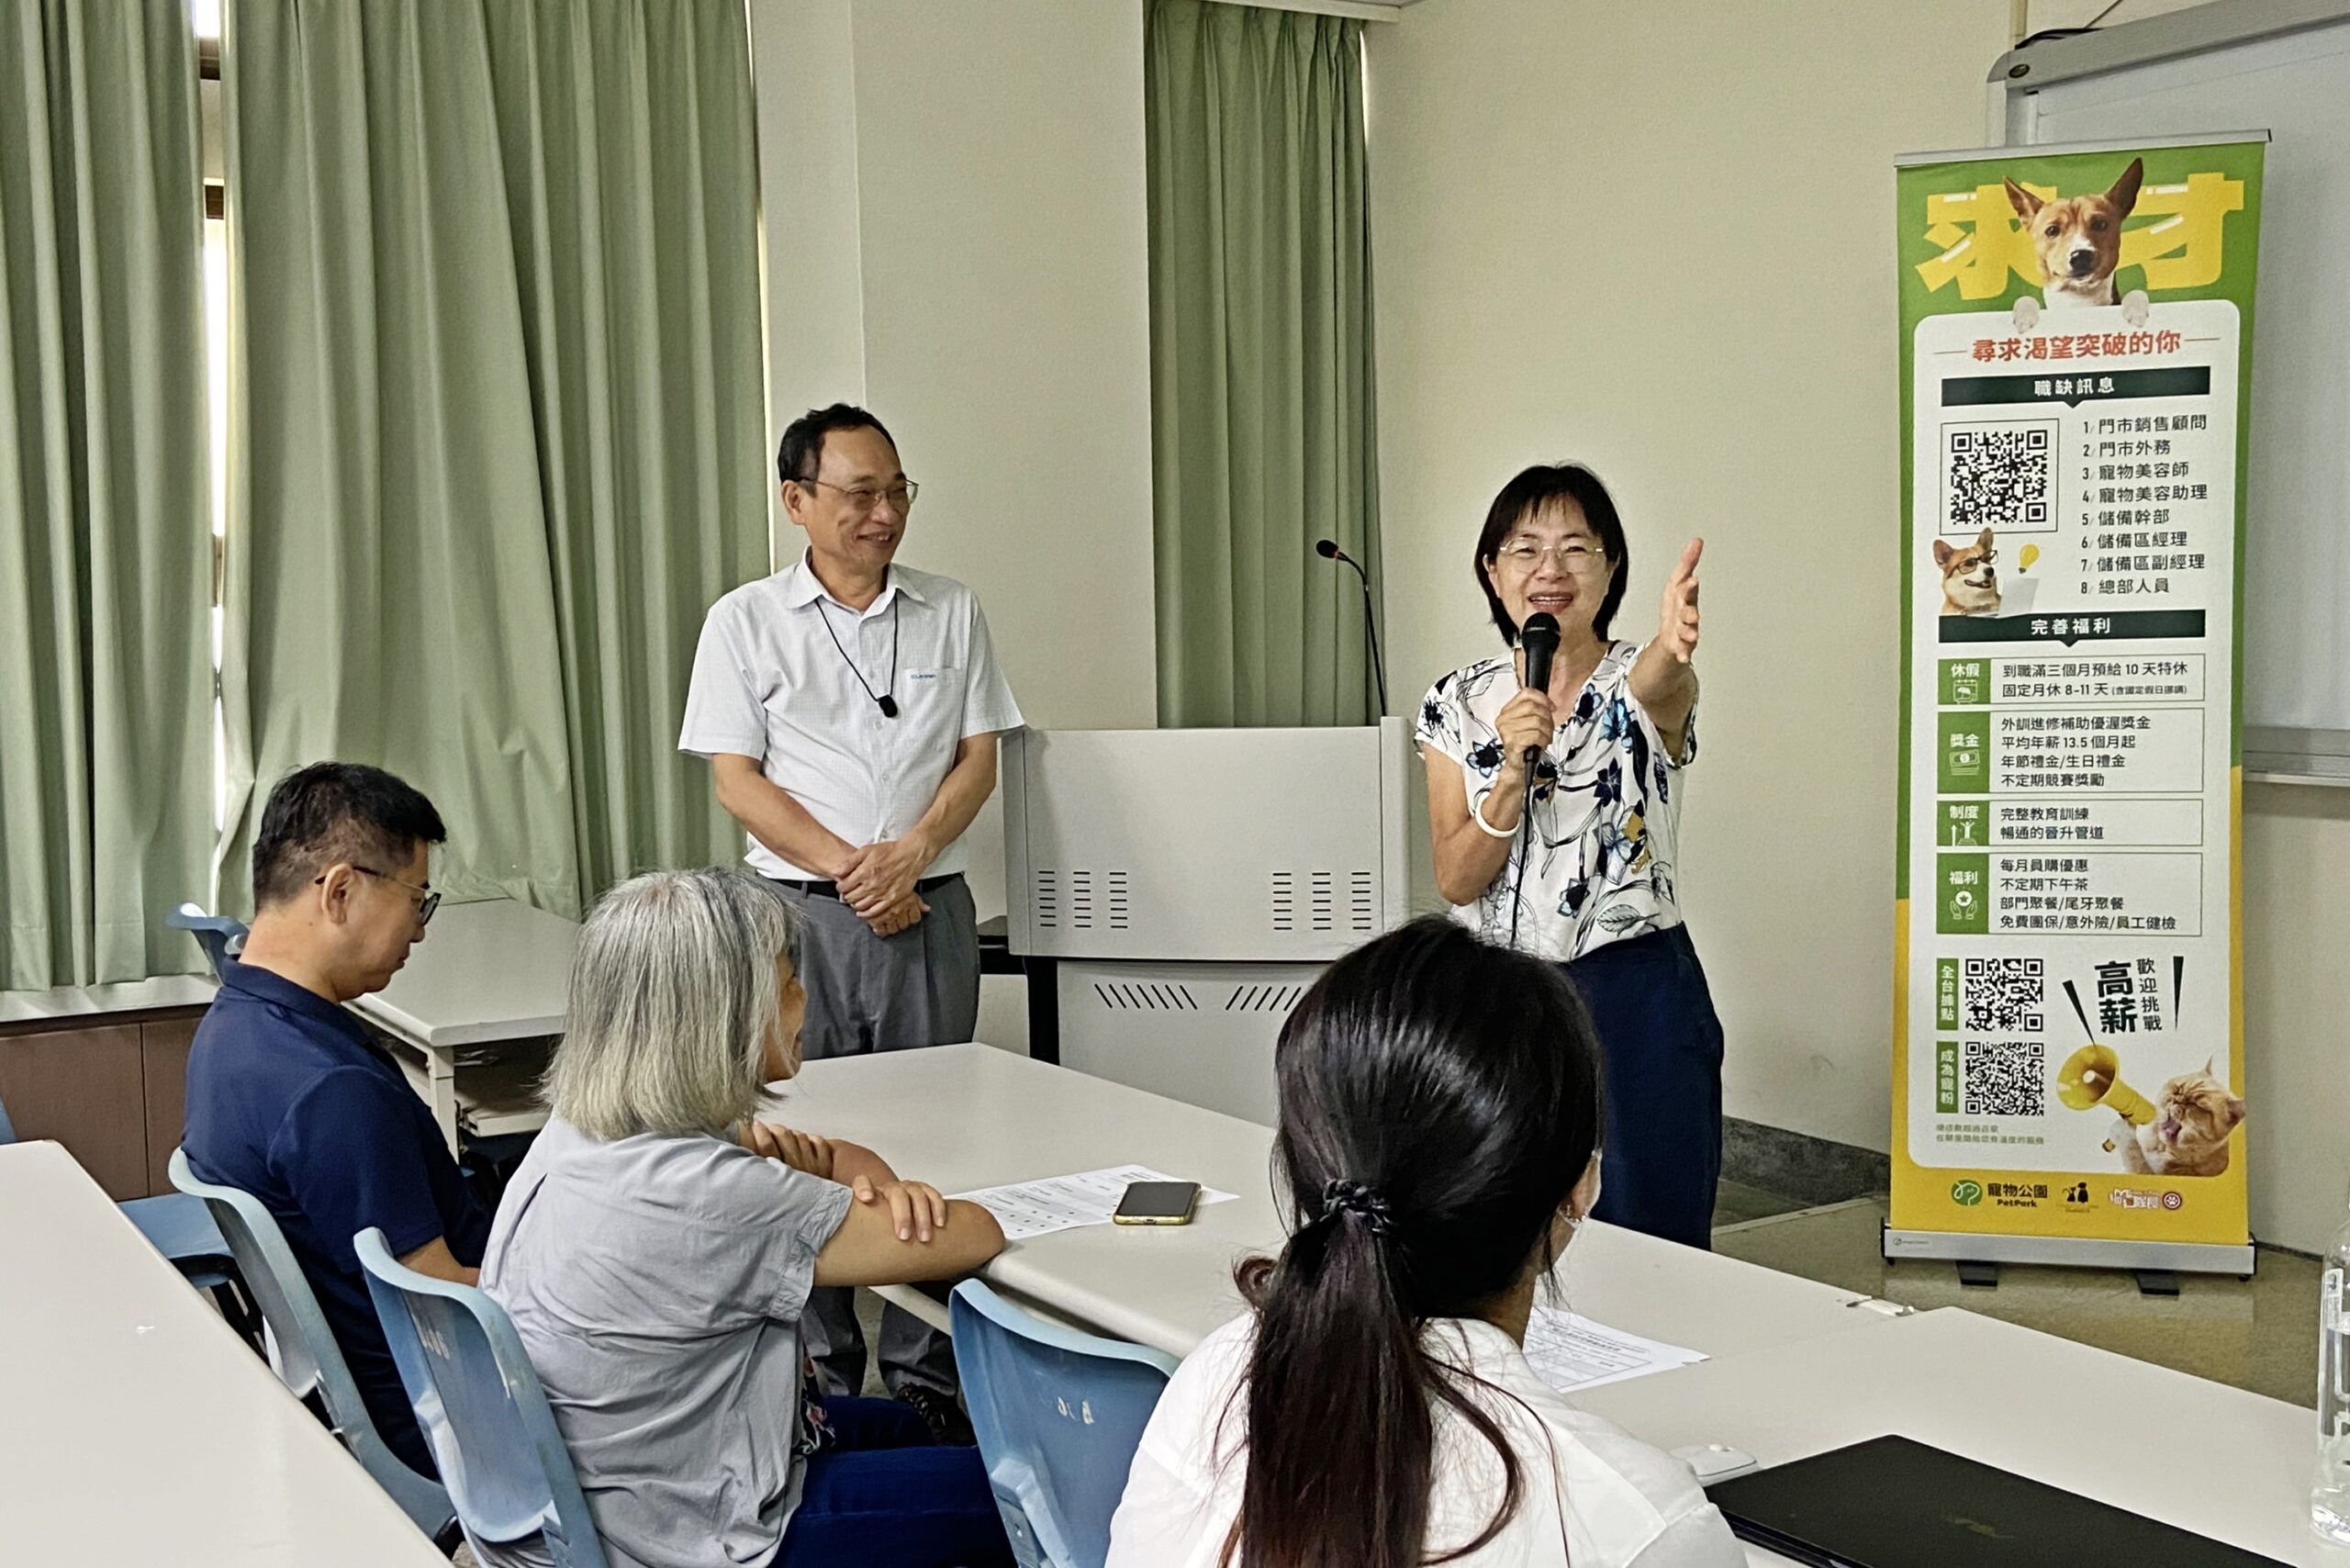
(1439, 1124)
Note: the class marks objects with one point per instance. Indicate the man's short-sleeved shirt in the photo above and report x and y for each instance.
(288, 1099)
(786, 674)
(657, 1284)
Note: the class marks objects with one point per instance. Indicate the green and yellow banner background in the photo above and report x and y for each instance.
(2071, 770)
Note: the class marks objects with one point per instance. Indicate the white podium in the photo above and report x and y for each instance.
(1173, 892)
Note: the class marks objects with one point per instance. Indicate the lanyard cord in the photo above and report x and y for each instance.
(886, 700)
(1525, 851)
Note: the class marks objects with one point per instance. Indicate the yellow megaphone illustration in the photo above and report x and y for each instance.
(2092, 1077)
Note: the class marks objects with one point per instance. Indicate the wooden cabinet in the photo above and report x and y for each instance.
(162, 1053)
(111, 1091)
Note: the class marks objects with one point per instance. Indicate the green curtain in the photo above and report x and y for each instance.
(105, 538)
(499, 429)
(1262, 416)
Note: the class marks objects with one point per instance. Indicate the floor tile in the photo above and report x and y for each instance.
(2258, 1334)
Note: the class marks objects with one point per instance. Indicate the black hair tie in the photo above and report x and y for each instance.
(1341, 1198)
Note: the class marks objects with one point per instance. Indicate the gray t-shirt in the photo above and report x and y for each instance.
(657, 1284)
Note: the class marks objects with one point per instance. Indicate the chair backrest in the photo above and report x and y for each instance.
(482, 1408)
(1059, 1416)
(218, 935)
(308, 1360)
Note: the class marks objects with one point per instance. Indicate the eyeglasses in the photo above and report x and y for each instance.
(864, 497)
(1572, 554)
(425, 906)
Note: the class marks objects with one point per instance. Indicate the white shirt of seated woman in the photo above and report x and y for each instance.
(1440, 1117)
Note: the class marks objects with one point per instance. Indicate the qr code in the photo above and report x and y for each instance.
(2004, 1078)
(2003, 996)
(1997, 476)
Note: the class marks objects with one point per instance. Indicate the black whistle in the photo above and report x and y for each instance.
(888, 705)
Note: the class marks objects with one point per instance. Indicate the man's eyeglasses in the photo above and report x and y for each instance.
(1572, 554)
(426, 904)
(864, 497)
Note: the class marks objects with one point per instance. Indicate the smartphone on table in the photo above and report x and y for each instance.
(1156, 1202)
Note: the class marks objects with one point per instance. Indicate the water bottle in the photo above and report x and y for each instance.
(2330, 1496)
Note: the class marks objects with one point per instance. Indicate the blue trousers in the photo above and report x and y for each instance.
(885, 1496)
(1663, 1046)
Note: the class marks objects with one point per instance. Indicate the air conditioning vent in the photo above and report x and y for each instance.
(1363, 909)
(1145, 996)
(1284, 900)
(1263, 998)
(1325, 904)
(1079, 899)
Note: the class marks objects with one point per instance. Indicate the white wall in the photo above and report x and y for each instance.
(803, 70)
(1007, 317)
(956, 233)
(1656, 238)
(955, 230)
(2296, 940)
(1660, 244)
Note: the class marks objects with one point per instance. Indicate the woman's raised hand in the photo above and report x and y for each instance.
(1676, 629)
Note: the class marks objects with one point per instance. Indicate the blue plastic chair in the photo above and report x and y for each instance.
(1059, 1416)
(309, 1360)
(218, 935)
(181, 1228)
(481, 1406)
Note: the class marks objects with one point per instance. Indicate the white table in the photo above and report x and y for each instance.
(2198, 1454)
(135, 1426)
(962, 1117)
(1798, 1367)
(492, 973)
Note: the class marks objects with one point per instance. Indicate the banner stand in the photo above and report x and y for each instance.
(2068, 1083)
(1962, 1247)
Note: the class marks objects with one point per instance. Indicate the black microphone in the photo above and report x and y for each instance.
(1538, 638)
(1328, 550)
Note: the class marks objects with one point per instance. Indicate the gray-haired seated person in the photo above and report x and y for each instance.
(656, 1248)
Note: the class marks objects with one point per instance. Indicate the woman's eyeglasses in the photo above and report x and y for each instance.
(1572, 554)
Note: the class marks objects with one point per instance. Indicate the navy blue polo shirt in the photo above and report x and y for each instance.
(288, 1099)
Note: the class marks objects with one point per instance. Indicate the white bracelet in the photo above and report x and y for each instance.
(1477, 815)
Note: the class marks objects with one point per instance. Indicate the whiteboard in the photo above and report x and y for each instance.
(2282, 66)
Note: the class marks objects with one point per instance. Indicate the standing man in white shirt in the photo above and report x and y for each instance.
(850, 708)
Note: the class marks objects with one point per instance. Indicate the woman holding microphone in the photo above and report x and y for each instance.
(1594, 753)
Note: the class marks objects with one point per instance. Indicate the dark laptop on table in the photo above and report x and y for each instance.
(1891, 1503)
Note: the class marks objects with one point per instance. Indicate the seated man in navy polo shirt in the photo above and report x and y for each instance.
(289, 1099)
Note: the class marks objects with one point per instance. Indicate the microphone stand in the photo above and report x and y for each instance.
(1370, 626)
